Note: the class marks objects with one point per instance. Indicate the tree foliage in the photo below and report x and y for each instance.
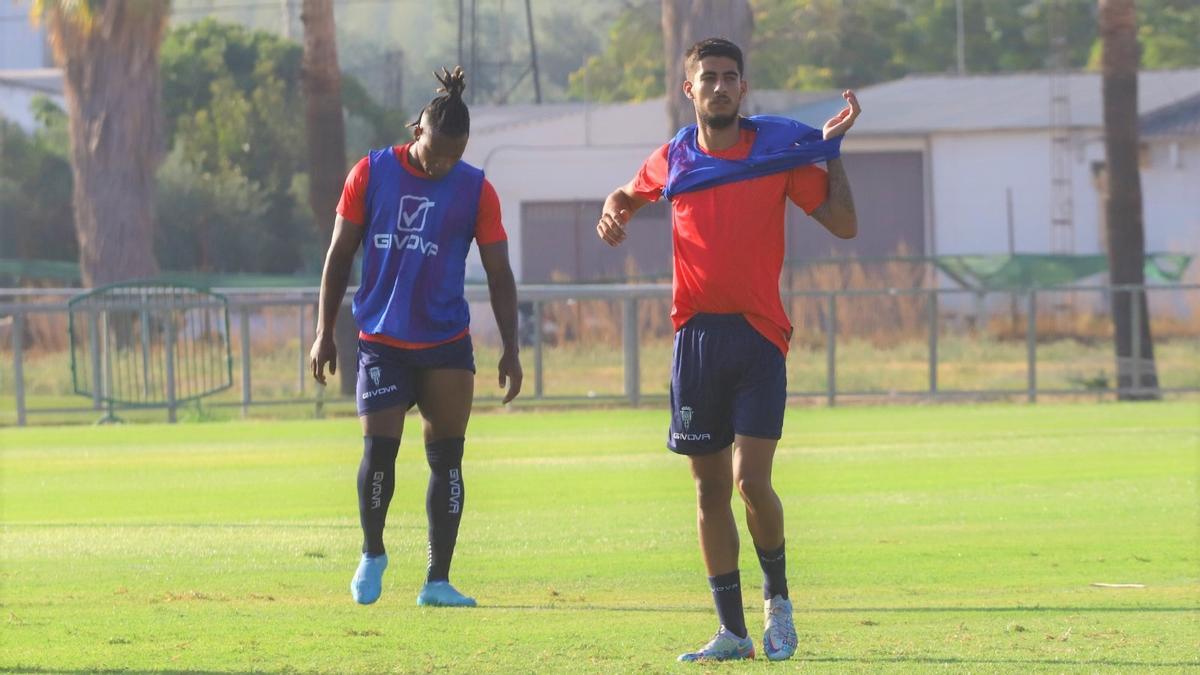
(109, 55)
(631, 66)
(818, 44)
(35, 189)
(233, 104)
(235, 114)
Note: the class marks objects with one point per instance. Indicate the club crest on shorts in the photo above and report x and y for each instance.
(685, 416)
(373, 372)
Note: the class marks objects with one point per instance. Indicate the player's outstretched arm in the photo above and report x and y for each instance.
(837, 213)
(503, 291)
(339, 259)
(618, 209)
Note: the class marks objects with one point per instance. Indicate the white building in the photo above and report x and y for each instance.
(18, 88)
(553, 165)
(979, 137)
(932, 161)
(26, 65)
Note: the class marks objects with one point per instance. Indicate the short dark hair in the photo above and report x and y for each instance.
(447, 113)
(712, 47)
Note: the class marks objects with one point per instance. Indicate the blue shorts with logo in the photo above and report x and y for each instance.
(726, 379)
(387, 376)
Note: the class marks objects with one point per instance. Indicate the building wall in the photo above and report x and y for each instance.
(889, 199)
(958, 181)
(22, 46)
(972, 174)
(1171, 195)
(569, 174)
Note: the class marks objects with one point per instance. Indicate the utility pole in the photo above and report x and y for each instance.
(285, 7)
(533, 58)
(474, 56)
(962, 40)
(1062, 203)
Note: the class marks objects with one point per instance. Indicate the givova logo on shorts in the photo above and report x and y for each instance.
(376, 374)
(686, 414)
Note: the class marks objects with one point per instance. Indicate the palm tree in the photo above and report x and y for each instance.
(1123, 201)
(686, 22)
(108, 52)
(326, 133)
(323, 110)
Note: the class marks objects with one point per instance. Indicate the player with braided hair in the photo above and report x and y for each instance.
(415, 209)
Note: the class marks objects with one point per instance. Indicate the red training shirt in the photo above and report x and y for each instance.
(352, 206)
(728, 240)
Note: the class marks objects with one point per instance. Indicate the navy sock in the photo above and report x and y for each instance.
(376, 483)
(727, 595)
(444, 501)
(774, 567)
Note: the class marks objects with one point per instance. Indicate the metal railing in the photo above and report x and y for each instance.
(20, 304)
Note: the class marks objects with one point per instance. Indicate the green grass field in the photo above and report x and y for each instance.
(958, 539)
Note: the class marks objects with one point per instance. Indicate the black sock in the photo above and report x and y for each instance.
(774, 567)
(444, 501)
(376, 483)
(727, 595)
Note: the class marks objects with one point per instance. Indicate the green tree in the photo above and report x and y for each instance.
(233, 104)
(1167, 32)
(35, 188)
(819, 44)
(109, 52)
(631, 66)
(235, 113)
(215, 218)
(1123, 200)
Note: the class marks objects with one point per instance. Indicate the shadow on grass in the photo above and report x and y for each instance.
(215, 526)
(915, 660)
(678, 609)
(35, 669)
(949, 660)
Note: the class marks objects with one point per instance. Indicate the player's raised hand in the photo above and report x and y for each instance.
(841, 122)
(510, 375)
(323, 353)
(611, 227)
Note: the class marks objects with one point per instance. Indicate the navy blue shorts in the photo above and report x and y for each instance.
(387, 376)
(726, 379)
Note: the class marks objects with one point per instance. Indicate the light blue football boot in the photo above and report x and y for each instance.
(779, 638)
(442, 594)
(725, 646)
(367, 584)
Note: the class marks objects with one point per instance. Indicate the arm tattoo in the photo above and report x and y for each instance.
(840, 199)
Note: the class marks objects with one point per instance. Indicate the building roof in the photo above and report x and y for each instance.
(42, 80)
(496, 118)
(1181, 118)
(945, 103)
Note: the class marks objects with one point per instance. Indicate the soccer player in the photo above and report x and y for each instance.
(414, 209)
(728, 179)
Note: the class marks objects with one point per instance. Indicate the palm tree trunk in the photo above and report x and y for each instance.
(111, 85)
(1123, 202)
(326, 133)
(686, 22)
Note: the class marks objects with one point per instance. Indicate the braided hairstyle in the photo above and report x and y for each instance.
(447, 113)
